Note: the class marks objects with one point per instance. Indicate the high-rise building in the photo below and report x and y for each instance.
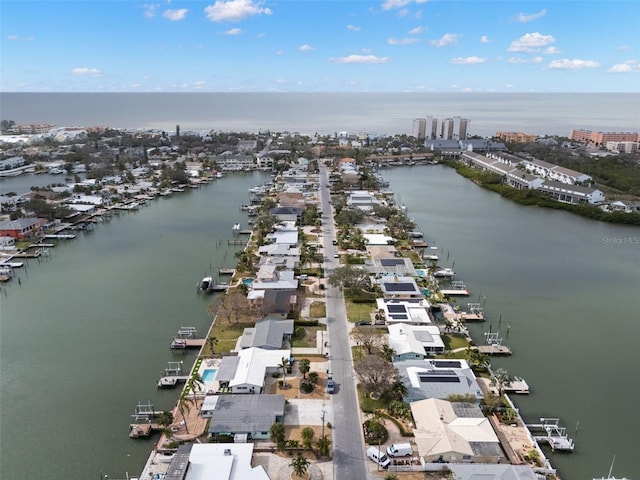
(431, 128)
(419, 125)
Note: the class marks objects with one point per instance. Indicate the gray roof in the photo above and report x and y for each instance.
(439, 382)
(267, 333)
(244, 413)
(277, 301)
(483, 471)
(227, 368)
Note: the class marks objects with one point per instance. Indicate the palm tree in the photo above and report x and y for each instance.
(307, 436)
(284, 364)
(299, 465)
(184, 404)
(304, 366)
(195, 384)
(399, 390)
(500, 380)
(276, 434)
(211, 342)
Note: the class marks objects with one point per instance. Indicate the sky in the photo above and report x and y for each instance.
(319, 46)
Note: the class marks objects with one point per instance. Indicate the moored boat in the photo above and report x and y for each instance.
(206, 284)
(444, 272)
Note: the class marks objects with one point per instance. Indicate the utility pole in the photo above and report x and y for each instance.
(323, 413)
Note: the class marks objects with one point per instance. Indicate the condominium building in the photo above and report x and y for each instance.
(600, 138)
(516, 137)
(419, 127)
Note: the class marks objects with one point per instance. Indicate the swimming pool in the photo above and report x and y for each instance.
(247, 281)
(208, 375)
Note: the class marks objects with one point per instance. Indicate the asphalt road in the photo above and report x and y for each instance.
(349, 459)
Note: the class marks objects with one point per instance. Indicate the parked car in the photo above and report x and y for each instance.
(399, 450)
(336, 255)
(331, 386)
(378, 456)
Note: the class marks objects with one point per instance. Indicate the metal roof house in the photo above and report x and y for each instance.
(269, 334)
(454, 432)
(437, 379)
(414, 341)
(245, 372)
(250, 415)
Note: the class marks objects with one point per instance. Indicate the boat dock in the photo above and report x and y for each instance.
(60, 236)
(226, 271)
(140, 430)
(494, 349)
(172, 380)
(457, 288)
(554, 435)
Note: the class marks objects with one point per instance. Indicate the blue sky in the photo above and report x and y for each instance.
(319, 46)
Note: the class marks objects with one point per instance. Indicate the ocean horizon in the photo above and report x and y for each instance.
(328, 113)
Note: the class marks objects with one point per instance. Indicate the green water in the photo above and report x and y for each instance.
(86, 335)
(568, 288)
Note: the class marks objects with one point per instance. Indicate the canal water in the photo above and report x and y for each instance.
(565, 288)
(85, 334)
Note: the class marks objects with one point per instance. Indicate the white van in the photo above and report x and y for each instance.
(399, 450)
(378, 456)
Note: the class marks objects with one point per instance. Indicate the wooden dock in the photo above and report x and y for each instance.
(142, 430)
(452, 292)
(494, 349)
(227, 271)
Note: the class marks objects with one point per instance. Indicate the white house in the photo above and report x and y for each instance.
(414, 341)
(454, 432)
(245, 372)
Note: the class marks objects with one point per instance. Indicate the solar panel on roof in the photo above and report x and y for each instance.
(446, 363)
(399, 316)
(391, 262)
(396, 308)
(438, 379)
(399, 287)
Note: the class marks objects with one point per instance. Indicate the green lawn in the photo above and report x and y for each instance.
(305, 337)
(227, 335)
(452, 342)
(359, 311)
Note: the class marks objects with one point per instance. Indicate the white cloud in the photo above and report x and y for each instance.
(525, 60)
(484, 39)
(624, 48)
(305, 48)
(626, 67)
(200, 84)
(417, 30)
(359, 59)
(531, 42)
(93, 72)
(150, 9)
(446, 40)
(234, 10)
(393, 4)
(467, 60)
(353, 28)
(402, 41)
(233, 31)
(552, 51)
(175, 15)
(575, 64)
(16, 38)
(529, 17)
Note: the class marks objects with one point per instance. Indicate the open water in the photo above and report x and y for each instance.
(85, 335)
(327, 113)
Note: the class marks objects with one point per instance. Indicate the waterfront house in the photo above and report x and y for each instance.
(245, 417)
(286, 214)
(414, 341)
(413, 311)
(245, 372)
(222, 461)
(476, 471)
(437, 379)
(7, 243)
(398, 287)
(268, 334)
(569, 193)
(22, 228)
(363, 200)
(389, 266)
(454, 432)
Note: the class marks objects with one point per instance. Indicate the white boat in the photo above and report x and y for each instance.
(206, 284)
(611, 477)
(178, 344)
(444, 273)
(6, 274)
(236, 227)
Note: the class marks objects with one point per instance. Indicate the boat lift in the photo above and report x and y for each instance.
(556, 436)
